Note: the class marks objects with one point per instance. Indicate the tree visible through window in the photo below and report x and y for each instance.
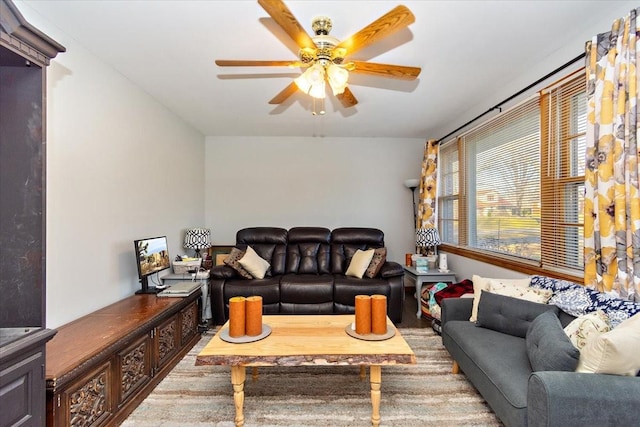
(502, 160)
(514, 185)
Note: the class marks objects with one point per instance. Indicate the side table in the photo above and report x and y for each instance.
(431, 276)
(173, 278)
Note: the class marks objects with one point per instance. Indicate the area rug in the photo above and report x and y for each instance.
(425, 394)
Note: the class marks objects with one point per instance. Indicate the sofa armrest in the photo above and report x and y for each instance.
(577, 399)
(455, 309)
(222, 272)
(218, 276)
(391, 269)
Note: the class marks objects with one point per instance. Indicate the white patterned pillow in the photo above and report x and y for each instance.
(586, 327)
(614, 352)
(482, 284)
(540, 296)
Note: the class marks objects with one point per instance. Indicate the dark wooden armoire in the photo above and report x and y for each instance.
(25, 52)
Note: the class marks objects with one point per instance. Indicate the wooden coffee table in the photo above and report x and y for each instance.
(307, 340)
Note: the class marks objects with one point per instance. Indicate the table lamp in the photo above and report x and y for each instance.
(427, 237)
(197, 238)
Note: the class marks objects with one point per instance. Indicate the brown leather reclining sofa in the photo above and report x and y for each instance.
(307, 273)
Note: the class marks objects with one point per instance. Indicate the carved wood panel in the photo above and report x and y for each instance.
(135, 366)
(189, 322)
(167, 339)
(104, 389)
(89, 402)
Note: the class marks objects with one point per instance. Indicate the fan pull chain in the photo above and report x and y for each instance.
(322, 111)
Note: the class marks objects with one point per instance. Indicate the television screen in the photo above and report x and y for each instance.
(152, 255)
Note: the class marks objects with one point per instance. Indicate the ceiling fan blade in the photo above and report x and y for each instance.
(346, 98)
(394, 20)
(283, 17)
(385, 70)
(284, 94)
(243, 63)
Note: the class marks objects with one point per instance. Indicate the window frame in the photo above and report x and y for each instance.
(547, 251)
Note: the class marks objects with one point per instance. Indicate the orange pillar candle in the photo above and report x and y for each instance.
(254, 316)
(363, 314)
(379, 314)
(237, 309)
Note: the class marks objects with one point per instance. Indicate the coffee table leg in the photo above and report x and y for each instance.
(238, 375)
(375, 375)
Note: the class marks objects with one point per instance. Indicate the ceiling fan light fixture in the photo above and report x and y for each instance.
(318, 90)
(338, 78)
(322, 51)
(312, 81)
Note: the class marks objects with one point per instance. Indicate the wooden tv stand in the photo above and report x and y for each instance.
(101, 366)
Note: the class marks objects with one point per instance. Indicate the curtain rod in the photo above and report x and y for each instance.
(497, 106)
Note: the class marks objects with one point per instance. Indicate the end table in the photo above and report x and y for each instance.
(431, 276)
(173, 278)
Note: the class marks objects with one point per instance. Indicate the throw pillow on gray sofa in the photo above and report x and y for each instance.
(549, 347)
(509, 315)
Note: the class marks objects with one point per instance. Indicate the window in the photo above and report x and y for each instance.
(512, 188)
(564, 125)
(449, 184)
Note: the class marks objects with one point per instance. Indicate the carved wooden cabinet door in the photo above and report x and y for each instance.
(134, 367)
(189, 322)
(88, 401)
(167, 340)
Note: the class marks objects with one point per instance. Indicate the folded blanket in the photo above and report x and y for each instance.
(454, 290)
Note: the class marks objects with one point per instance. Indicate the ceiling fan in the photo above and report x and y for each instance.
(324, 56)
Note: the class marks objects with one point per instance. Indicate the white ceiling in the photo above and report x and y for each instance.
(473, 54)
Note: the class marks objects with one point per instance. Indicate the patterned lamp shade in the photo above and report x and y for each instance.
(427, 237)
(197, 238)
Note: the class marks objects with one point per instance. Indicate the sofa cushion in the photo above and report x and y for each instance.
(232, 261)
(306, 288)
(500, 376)
(308, 250)
(379, 258)
(482, 284)
(548, 347)
(585, 327)
(347, 240)
(254, 264)
(270, 243)
(306, 294)
(359, 263)
(346, 288)
(268, 288)
(509, 315)
(614, 352)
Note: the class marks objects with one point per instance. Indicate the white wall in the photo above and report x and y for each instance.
(326, 182)
(120, 167)
(465, 268)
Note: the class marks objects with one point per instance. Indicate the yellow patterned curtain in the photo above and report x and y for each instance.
(612, 198)
(427, 195)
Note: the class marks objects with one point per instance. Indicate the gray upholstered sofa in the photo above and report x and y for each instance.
(499, 367)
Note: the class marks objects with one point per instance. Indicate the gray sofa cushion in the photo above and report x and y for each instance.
(548, 347)
(509, 315)
(495, 363)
